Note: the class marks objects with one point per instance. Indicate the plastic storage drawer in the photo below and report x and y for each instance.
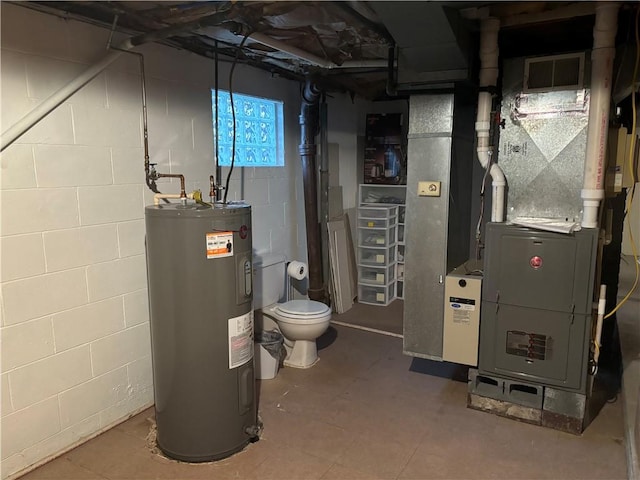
(376, 295)
(373, 237)
(376, 275)
(376, 256)
(378, 212)
(376, 222)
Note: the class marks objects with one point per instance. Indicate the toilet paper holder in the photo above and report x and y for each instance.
(296, 270)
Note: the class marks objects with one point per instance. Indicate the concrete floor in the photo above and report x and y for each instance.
(362, 413)
(386, 320)
(629, 325)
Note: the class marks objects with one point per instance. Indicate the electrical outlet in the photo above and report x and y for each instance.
(429, 189)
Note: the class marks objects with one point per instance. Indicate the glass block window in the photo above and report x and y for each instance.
(259, 130)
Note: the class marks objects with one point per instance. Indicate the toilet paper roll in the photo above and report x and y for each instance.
(297, 270)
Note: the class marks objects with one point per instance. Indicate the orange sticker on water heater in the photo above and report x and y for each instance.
(219, 244)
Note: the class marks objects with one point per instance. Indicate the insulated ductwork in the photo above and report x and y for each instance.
(488, 82)
(604, 35)
(309, 122)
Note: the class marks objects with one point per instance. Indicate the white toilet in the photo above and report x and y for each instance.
(301, 322)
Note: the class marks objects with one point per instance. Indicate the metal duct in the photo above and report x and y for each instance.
(309, 117)
(542, 147)
(440, 147)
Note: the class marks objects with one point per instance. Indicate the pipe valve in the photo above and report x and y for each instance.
(153, 175)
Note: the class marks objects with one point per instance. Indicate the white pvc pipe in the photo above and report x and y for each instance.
(53, 101)
(497, 199)
(310, 57)
(362, 64)
(602, 302)
(291, 50)
(489, 78)
(161, 196)
(604, 35)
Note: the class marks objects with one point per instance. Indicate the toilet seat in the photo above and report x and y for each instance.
(302, 311)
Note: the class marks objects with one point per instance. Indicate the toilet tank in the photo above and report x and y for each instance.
(268, 279)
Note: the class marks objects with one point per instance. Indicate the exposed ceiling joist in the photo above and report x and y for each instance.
(347, 43)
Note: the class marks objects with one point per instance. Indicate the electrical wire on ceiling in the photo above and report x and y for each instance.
(233, 115)
(627, 211)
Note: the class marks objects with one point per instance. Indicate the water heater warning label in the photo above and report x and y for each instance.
(219, 244)
(240, 339)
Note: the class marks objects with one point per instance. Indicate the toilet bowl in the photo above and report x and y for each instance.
(301, 323)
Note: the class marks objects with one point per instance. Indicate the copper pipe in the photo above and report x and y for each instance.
(149, 177)
(183, 193)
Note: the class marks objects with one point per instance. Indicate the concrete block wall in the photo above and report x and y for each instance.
(74, 327)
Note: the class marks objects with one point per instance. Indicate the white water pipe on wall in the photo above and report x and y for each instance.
(310, 57)
(489, 78)
(158, 197)
(57, 98)
(602, 303)
(604, 36)
(47, 106)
